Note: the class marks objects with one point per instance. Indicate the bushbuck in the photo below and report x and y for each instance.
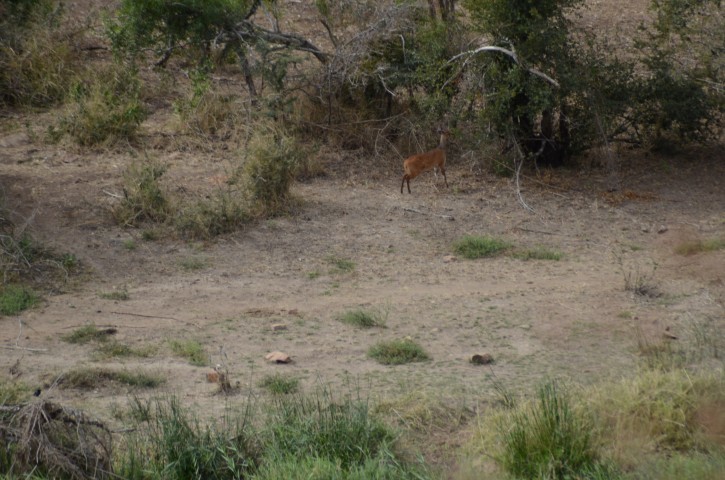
(417, 164)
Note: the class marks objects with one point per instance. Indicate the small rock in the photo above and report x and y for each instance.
(294, 311)
(645, 229)
(482, 359)
(449, 258)
(278, 357)
(279, 327)
(662, 229)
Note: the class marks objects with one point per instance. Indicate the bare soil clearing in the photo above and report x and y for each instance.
(570, 318)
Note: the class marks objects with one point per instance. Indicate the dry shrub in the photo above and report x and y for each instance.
(37, 62)
(47, 438)
(143, 198)
(268, 173)
(104, 109)
(211, 114)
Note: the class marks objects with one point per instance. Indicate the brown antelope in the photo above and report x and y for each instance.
(417, 164)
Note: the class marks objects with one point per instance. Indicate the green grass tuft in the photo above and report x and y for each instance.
(120, 295)
(278, 384)
(363, 318)
(191, 350)
(473, 247)
(86, 334)
(341, 430)
(397, 352)
(548, 440)
(15, 298)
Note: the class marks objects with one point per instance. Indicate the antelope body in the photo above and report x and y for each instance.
(417, 164)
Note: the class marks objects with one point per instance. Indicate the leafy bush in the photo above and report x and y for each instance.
(15, 298)
(270, 168)
(397, 352)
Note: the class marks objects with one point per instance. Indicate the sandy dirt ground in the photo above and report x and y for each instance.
(570, 318)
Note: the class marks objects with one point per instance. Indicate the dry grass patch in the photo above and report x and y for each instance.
(700, 246)
(92, 378)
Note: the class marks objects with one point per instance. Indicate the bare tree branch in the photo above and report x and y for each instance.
(509, 53)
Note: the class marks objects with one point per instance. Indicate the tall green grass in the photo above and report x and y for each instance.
(297, 437)
(548, 440)
(173, 444)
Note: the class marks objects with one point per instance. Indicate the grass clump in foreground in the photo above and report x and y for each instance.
(548, 440)
(171, 443)
(192, 350)
(473, 247)
(16, 298)
(280, 384)
(301, 437)
(658, 424)
(320, 436)
(363, 318)
(397, 352)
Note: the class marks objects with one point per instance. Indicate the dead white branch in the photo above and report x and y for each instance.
(510, 53)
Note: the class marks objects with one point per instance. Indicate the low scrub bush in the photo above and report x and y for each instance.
(37, 62)
(143, 198)
(24, 260)
(16, 298)
(397, 352)
(269, 169)
(473, 247)
(104, 110)
(223, 212)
